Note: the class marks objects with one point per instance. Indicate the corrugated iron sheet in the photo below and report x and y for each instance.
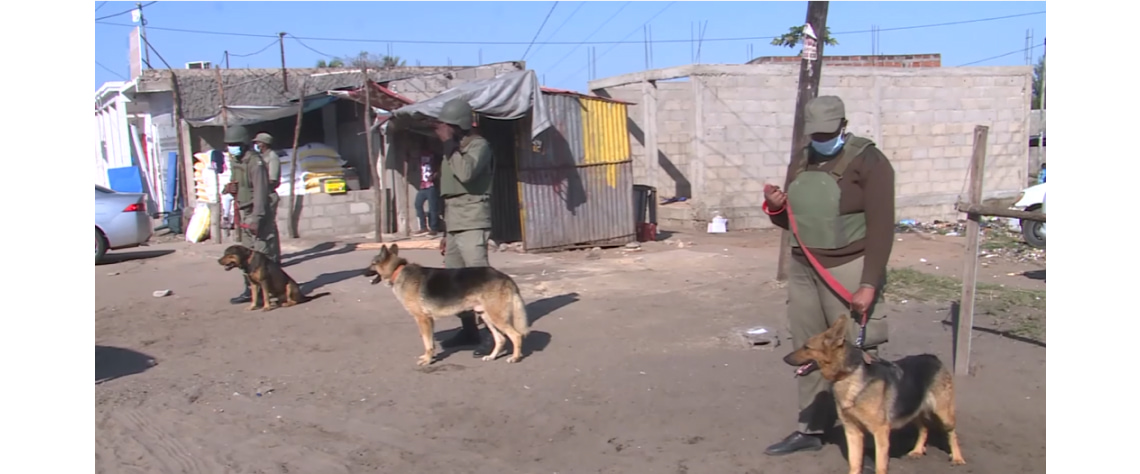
(576, 184)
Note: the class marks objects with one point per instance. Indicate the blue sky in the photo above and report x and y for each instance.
(561, 65)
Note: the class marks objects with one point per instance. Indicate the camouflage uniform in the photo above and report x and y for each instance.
(250, 175)
(466, 175)
(273, 167)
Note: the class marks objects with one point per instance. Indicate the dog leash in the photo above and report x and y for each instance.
(826, 275)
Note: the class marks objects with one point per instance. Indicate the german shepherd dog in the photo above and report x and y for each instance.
(877, 395)
(266, 278)
(430, 293)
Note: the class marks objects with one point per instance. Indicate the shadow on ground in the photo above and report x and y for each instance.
(113, 257)
(1035, 275)
(536, 341)
(328, 279)
(114, 362)
(318, 251)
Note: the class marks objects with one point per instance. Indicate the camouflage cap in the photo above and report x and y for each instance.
(824, 114)
(263, 138)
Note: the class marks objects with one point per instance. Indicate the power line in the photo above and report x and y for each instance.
(540, 27)
(596, 30)
(655, 15)
(1022, 50)
(124, 12)
(465, 42)
(310, 48)
(556, 30)
(112, 71)
(255, 53)
(101, 5)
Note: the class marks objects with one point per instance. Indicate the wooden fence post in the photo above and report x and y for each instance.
(964, 324)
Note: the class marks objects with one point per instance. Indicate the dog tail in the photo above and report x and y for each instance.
(519, 318)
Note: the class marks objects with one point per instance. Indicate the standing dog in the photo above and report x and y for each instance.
(877, 396)
(266, 278)
(429, 293)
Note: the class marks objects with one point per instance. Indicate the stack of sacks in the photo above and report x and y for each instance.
(315, 161)
(205, 186)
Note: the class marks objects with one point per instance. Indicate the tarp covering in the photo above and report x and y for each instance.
(506, 97)
(254, 114)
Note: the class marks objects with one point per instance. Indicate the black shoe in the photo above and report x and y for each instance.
(794, 443)
(244, 297)
(463, 338)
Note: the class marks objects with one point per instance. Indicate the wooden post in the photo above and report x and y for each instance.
(808, 90)
(293, 162)
(187, 179)
(377, 184)
(217, 181)
(964, 324)
(407, 202)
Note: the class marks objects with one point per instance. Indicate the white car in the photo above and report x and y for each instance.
(1032, 199)
(121, 221)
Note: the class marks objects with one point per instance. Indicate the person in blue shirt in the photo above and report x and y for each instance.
(1041, 175)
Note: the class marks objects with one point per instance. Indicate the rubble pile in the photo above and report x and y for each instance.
(1001, 238)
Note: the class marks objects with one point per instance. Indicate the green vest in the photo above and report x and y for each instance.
(814, 197)
(273, 165)
(467, 205)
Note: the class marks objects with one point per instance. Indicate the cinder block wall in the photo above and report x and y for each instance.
(731, 133)
(329, 215)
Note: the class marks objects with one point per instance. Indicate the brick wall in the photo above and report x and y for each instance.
(731, 133)
(890, 61)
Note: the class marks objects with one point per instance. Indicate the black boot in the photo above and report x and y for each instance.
(468, 335)
(245, 296)
(794, 443)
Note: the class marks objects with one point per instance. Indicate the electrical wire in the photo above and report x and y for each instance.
(112, 71)
(540, 27)
(101, 5)
(655, 15)
(556, 30)
(1022, 50)
(255, 53)
(596, 30)
(124, 12)
(310, 48)
(663, 41)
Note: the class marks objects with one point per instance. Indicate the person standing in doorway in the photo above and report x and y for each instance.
(841, 191)
(429, 193)
(465, 179)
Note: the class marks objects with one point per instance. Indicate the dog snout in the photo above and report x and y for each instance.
(794, 359)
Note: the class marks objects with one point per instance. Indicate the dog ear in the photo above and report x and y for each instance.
(395, 250)
(837, 332)
(383, 252)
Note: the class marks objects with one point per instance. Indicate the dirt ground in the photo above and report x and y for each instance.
(634, 365)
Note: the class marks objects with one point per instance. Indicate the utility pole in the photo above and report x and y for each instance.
(808, 90)
(284, 73)
(142, 32)
(227, 59)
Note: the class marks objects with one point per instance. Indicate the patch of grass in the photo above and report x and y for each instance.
(1019, 311)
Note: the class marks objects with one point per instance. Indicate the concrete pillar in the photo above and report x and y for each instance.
(649, 107)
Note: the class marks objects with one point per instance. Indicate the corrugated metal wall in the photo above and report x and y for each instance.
(504, 137)
(576, 185)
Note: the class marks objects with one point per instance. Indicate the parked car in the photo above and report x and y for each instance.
(1032, 199)
(121, 221)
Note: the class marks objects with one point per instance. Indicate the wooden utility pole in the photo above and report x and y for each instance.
(377, 183)
(227, 55)
(808, 90)
(964, 324)
(293, 162)
(217, 181)
(284, 73)
(142, 31)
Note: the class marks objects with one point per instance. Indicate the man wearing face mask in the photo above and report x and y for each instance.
(842, 193)
(250, 186)
(263, 144)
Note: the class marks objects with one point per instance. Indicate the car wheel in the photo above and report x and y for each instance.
(100, 245)
(1031, 230)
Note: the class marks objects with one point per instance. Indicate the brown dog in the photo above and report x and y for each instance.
(266, 278)
(877, 396)
(428, 293)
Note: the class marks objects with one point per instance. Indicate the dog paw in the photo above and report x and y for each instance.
(423, 361)
(513, 359)
(488, 358)
(957, 462)
(916, 454)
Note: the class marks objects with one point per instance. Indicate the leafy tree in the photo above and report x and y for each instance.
(1038, 82)
(364, 59)
(334, 62)
(795, 35)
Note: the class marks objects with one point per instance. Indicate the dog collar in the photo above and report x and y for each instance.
(396, 273)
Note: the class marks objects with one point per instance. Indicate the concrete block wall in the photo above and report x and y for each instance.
(738, 131)
(882, 60)
(330, 215)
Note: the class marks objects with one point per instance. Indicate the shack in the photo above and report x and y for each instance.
(563, 170)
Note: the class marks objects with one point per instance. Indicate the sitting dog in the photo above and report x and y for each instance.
(266, 278)
(429, 293)
(877, 396)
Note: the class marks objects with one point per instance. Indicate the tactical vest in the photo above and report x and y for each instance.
(240, 172)
(814, 196)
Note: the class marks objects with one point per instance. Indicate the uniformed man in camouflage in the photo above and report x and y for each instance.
(465, 186)
(250, 186)
(263, 143)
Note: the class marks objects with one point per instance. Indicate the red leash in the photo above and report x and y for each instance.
(823, 273)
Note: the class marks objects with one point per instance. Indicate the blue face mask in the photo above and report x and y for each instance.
(830, 147)
(234, 150)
